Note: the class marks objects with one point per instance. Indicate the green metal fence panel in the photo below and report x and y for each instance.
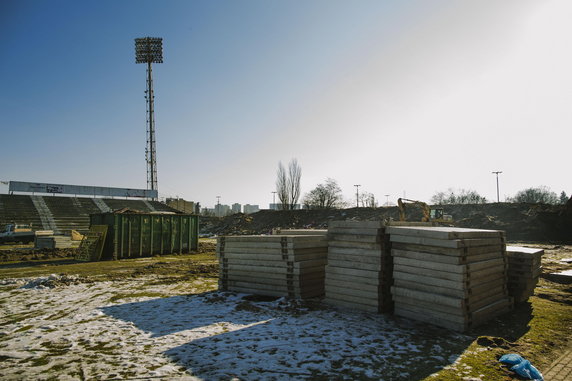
(134, 235)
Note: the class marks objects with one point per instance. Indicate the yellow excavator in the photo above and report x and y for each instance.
(429, 214)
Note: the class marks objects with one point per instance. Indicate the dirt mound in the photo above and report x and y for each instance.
(32, 254)
(522, 222)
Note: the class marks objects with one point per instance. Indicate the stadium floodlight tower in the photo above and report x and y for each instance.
(150, 50)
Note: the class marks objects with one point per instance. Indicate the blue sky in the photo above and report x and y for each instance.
(401, 97)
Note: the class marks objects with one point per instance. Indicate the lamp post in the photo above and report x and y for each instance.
(150, 50)
(274, 200)
(498, 194)
(357, 194)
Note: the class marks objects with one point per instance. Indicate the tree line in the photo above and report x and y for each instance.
(328, 195)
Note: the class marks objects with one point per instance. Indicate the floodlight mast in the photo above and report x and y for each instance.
(149, 50)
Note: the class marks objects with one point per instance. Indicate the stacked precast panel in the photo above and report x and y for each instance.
(450, 277)
(524, 267)
(358, 273)
(273, 265)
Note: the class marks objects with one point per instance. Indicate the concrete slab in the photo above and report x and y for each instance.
(437, 319)
(429, 265)
(281, 231)
(446, 243)
(520, 251)
(358, 265)
(464, 251)
(352, 272)
(443, 232)
(358, 281)
(447, 259)
(356, 224)
(400, 267)
(350, 305)
(356, 230)
(355, 238)
(339, 243)
(426, 297)
(266, 275)
(372, 288)
(373, 295)
(355, 251)
(373, 302)
(376, 260)
(266, 269)
(279, 258)
(259, 282)
(280, 264)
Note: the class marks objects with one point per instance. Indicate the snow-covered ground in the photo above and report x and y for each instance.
(142, 329)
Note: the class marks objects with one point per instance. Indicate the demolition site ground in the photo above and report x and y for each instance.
(163, 318)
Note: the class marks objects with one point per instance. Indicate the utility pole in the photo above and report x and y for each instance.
(386, 200)
(357, 194)
(498, 194)
(274, 200)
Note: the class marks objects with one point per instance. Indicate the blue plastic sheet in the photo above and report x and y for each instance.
(521, 366)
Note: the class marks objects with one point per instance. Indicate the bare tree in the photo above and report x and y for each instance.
(367, 200)
(324, 196)
(288, 184)
(454, 197)
(282, 189)
(294, 176)
(538, 195)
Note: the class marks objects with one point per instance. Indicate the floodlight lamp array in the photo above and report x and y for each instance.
(149, 49)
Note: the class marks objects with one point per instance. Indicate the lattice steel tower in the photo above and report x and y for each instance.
(149, 50)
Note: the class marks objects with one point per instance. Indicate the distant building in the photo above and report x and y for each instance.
(221, 210)
(248, 209)
(181, 205)
(236, 208)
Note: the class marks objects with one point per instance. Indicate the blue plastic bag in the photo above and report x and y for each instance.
(521, 366)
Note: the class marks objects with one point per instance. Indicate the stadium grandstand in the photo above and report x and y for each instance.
(62, 208)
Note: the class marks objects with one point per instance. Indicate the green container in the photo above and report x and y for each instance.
(134, 235)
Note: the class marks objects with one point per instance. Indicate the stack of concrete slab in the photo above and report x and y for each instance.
(451, 277)
(55, 242)
(524, 267)
(274, 265)
(358, 274)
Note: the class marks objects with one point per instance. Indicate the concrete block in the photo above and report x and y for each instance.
(524, 252)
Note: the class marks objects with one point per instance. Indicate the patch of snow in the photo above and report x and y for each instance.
(213, 335)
